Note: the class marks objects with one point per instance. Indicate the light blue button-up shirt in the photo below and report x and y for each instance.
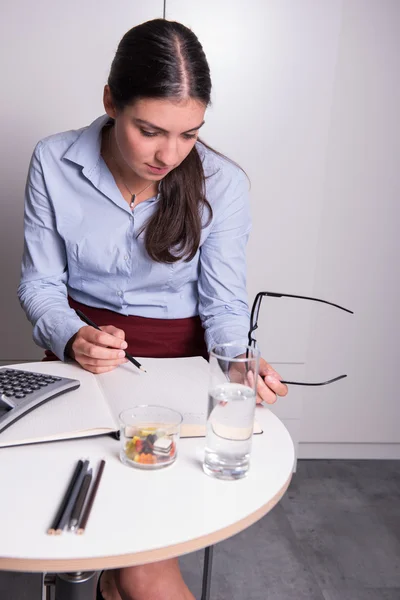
(81, 239)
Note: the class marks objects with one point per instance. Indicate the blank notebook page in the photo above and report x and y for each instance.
(178, 383)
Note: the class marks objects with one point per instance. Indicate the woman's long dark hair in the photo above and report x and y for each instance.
(164, 59)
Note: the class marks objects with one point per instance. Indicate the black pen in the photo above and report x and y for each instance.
(76, 511)
(72, 498)
(128, 356)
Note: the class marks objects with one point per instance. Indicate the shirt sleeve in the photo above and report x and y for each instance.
(42, 291)
(223, 303)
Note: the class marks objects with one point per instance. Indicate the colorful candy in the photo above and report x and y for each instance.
(151, 446)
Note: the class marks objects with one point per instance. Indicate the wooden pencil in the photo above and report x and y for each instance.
(88, 321)
(56, 521)
(76, 511)
(91, 499)
(72, 498)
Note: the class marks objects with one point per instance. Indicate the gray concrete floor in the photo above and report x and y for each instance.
(334, 536)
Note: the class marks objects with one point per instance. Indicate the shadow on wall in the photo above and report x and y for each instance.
(19, 140)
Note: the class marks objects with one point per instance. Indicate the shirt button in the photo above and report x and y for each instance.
(119, 293)
(126, 257)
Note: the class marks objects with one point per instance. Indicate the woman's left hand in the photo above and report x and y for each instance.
(269, 385)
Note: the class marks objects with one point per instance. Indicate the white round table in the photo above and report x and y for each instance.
(138, 516)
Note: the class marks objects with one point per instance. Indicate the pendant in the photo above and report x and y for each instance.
(133, 200)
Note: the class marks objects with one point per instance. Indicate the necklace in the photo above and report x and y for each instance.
(133, 196)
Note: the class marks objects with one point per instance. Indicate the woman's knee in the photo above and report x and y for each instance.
(155, 581)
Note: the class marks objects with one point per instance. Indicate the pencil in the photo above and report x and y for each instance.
(72, 498)
(56, 522)
(90, 322)
(91, 499)
(80, 501)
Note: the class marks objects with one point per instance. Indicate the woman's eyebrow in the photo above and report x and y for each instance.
(152, 126)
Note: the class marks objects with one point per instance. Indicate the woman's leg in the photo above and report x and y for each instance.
(156, 581)
(108, 587)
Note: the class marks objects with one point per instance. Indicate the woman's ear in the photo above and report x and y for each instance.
(108, 102)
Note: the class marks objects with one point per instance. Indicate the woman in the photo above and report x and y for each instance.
(144, 228)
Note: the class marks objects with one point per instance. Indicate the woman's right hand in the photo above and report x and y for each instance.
(98, 351)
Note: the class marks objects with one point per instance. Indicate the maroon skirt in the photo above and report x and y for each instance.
(152, 338)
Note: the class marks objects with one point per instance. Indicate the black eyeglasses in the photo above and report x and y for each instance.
(254, 325)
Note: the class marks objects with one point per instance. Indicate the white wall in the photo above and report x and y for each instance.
(358, 251)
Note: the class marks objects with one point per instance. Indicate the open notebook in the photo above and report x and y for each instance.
(93, 409)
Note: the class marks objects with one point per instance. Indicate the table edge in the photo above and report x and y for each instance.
(59, 565)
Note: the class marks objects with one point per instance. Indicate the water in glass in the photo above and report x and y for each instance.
(229, 430)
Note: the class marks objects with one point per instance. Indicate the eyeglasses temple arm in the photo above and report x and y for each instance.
(276, 295)
(314, 384)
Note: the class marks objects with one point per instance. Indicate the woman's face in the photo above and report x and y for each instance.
(153, 136)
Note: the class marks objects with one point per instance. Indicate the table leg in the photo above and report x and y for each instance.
(76, 586)
(206, 587)
(49, 583)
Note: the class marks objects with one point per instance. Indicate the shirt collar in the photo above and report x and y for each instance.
(85, 151)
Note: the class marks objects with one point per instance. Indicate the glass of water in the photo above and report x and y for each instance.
(231, 407)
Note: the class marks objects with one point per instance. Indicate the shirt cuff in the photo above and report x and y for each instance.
(62, 333)
(226, 335)
(54, 329)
